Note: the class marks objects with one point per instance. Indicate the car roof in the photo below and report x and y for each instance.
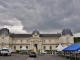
(32, 52)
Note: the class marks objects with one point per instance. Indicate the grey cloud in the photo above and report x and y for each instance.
(42, 14)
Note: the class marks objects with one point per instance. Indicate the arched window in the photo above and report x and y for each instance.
(44, 47)
(14, 47)
(56, 46)
(35, 45)
(2, 39)
(50, 47)
(26, 47)
(20, 47)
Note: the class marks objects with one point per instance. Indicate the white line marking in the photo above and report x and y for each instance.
(30, 59)
(27, 58)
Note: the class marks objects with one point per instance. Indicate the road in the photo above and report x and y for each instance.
(26, 57)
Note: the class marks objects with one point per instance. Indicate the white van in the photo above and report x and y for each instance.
(6, 51)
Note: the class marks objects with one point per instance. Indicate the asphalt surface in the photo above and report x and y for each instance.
(26, 57)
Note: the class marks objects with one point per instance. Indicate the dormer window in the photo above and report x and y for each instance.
(35, 33)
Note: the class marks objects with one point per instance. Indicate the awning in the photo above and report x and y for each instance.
(73, 47)
(59, 48)
(23, 48)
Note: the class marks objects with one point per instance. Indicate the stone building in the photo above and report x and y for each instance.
(35, 40)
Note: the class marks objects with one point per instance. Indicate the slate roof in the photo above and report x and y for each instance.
(50, 35)
(66, 31)
(73, 47)
(21, 35)
(4, 31)
(30, 35)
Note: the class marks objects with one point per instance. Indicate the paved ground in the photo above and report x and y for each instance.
(26, 57)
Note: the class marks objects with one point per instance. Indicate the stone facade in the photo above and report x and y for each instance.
(30, 41)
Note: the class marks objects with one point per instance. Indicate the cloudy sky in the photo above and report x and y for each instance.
(46, 16)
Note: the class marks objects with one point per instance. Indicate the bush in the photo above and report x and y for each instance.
(29, 51)
(38, 51)
(50, 51)
(18, 51)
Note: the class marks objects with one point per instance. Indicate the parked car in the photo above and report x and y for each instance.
(32, 54)
(13, 51)
(6, 51)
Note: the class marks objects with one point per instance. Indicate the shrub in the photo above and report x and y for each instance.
(18, 51)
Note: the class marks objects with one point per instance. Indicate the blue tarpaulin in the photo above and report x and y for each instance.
(73, 47)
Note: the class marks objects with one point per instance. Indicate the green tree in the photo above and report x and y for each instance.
(76, 39)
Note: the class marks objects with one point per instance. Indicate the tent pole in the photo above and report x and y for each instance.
(70, 56)
(64, 55)
(75, 55)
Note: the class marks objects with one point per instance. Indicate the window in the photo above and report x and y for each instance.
(44, 47)
(26, 47)
(14, 47)
(56, 46)
(67, 39)
(5, 50)
(50, 47)
(20, 47)
(2, 39)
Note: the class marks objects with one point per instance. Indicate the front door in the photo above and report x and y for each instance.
(35, 45)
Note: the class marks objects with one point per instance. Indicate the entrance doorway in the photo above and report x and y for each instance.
(35, 45)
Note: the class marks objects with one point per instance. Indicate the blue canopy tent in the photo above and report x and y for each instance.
(73, 47)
